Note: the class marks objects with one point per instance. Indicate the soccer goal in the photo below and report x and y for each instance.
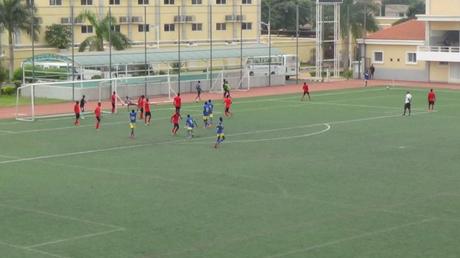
(56, 99)
(237, 79)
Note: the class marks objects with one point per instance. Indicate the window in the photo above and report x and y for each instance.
(169, 1)
(197, 27)
(114, 2)
(378, 57)
(55, 2)
(86, 29)
(246, 1)
(221, 26)
(411, 58)
(170, 27)
(246, 26)
(221, 1)
(142, 1)
(197, 2)
(141, 27)
(86, 2)
(116, 28)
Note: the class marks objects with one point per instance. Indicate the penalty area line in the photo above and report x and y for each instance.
(116, 148)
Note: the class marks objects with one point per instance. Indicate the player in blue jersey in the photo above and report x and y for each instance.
(211, 109)
(190, 124)
(220, 132)
(132, 121)
(206, 114)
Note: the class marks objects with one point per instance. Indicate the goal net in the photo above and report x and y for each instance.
(237, 79)
(57, 99)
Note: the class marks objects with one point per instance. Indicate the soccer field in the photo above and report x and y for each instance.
(344, 175)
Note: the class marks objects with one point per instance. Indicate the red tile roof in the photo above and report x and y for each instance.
(410, 30)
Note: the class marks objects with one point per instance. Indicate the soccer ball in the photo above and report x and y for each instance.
(388, 87)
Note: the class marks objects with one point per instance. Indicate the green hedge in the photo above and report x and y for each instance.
(8, 90)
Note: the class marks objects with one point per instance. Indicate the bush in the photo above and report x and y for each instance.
(3, 74)
(96, 77)
(8, 90)
(347, 74)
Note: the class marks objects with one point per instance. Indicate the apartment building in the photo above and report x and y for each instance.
(427, 49)
(441, 50)
(158, 22)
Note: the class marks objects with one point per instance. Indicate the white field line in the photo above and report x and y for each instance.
(355, 237)
(75, 238)
(31, 250)
(244, 110)
(240, 102)
(327, 128)
(61, 216)
(124, 147)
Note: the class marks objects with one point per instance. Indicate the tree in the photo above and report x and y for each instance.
(16, 16)
(415, 8)
(58, 36)
(283, 13)
(355, 15)
(103, 32)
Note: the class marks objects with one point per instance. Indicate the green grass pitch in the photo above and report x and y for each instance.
(344, 175)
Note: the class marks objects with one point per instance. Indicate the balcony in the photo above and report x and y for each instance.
(234, 18)
(183, 19)
(438, 53)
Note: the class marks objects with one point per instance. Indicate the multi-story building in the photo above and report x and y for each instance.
(424, 50)
(155, 21)
(442, 40)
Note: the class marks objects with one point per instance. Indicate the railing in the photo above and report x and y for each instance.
(439, 49)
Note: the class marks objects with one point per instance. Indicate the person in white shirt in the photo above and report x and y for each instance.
(407, 102)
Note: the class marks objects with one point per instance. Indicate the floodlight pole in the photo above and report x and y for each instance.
(297, 44)
(145, 50)
(110, 47)
(178, 48)
(210, 44)
(73, 50)
(269, 46)
(241, 47)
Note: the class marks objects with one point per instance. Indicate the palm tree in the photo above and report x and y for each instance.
(14, 17)
(354, 15)
(103, 32)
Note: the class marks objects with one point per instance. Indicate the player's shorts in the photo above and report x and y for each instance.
(132, 125)
(148, 113)
(407, 106)
(189, 128)
(77, 115)
(142, 110)
(205, 117)
(431, 102)
(113, 105)
(211, 115)
(98, 118)
(227, 109)
(305, 92)
(220, 135)
(176, 125)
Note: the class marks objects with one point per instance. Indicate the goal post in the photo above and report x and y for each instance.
(56, 99)
(238, 80)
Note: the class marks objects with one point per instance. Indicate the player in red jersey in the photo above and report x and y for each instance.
(113, 100)
(97, 113)
(148, 114)
(77, 111)
(306, 92)
(228, 105)
(177, 102)
(431, 100)
(175, 120)
(140, 106)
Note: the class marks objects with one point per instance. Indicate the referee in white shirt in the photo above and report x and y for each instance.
(407, 102)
